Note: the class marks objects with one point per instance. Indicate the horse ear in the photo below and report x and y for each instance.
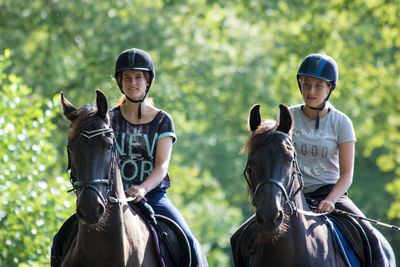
(69, 111)
(255, 117)
(285, 119)
(101, 103)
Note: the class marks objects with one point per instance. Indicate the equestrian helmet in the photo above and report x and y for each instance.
(320, 66)
(135, 59)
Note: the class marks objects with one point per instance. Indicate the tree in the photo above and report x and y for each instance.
(30, 208)
(214, 60)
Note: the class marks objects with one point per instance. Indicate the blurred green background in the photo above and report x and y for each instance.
(214, 60)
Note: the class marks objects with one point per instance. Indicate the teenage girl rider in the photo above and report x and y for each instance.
(144, 136)
(324, 139)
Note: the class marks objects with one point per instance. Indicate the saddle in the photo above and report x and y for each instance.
(171, 243)
(174, 246)
(353, 233)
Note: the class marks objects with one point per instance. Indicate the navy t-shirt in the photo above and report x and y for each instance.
(136, 146)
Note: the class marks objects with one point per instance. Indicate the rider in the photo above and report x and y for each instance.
(144, 136)
(324, 139)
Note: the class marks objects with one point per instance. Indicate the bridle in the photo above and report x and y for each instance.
(289, 198)
(82, 186)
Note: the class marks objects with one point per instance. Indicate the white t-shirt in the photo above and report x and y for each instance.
(318, 149)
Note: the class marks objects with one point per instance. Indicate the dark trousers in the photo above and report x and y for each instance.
(345, 204)
(161, 204)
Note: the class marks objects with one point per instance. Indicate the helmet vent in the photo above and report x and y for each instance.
(131, 57)
(316, 66)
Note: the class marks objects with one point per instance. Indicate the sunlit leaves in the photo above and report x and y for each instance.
(214, 60)
(204, 204)
(29, 204)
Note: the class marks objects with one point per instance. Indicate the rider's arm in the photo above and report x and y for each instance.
(346, 165)
(163, 155)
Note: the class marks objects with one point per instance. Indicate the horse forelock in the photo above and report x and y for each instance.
(86, 116)
(260, 135)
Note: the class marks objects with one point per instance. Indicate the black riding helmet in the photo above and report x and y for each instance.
(320, 66)
(135, 59)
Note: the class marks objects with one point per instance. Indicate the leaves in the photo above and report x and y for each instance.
(214, 60)
(30, 208)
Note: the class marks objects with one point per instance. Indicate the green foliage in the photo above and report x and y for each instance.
(204, 204)
(214, 60)
(30, 207)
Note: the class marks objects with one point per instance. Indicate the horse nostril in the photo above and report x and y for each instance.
(100, 210)
(279, 218)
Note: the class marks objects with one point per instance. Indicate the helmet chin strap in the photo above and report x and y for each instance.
(318, 110)
(140, 103)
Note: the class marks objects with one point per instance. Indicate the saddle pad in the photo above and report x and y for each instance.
(354, 233)
(346, 249)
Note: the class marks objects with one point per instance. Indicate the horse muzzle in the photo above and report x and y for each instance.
(90, 207)
(270, 221)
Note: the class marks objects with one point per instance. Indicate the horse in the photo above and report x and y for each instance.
(284, 231)
(109, 232)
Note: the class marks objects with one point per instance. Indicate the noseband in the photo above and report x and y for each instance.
(296, 172)
(84, 185)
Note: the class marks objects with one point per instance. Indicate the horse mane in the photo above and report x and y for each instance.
(86, 115)
(263, 132)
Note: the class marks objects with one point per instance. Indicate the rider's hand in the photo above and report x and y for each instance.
(325, 205)
(137, 192)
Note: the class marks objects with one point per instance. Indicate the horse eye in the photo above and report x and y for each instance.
(109, 144)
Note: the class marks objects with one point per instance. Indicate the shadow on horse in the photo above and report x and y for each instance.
(106, 230)
(279, 234)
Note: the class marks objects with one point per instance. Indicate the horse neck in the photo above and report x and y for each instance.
(300, 223)
(301, 204)
(301, 201)
(118, 188)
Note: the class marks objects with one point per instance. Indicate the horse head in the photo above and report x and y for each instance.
(271, 171)
(90, 156)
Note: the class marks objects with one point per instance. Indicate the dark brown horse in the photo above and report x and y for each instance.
(284, 231)
(110, 232)
(277, 235)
